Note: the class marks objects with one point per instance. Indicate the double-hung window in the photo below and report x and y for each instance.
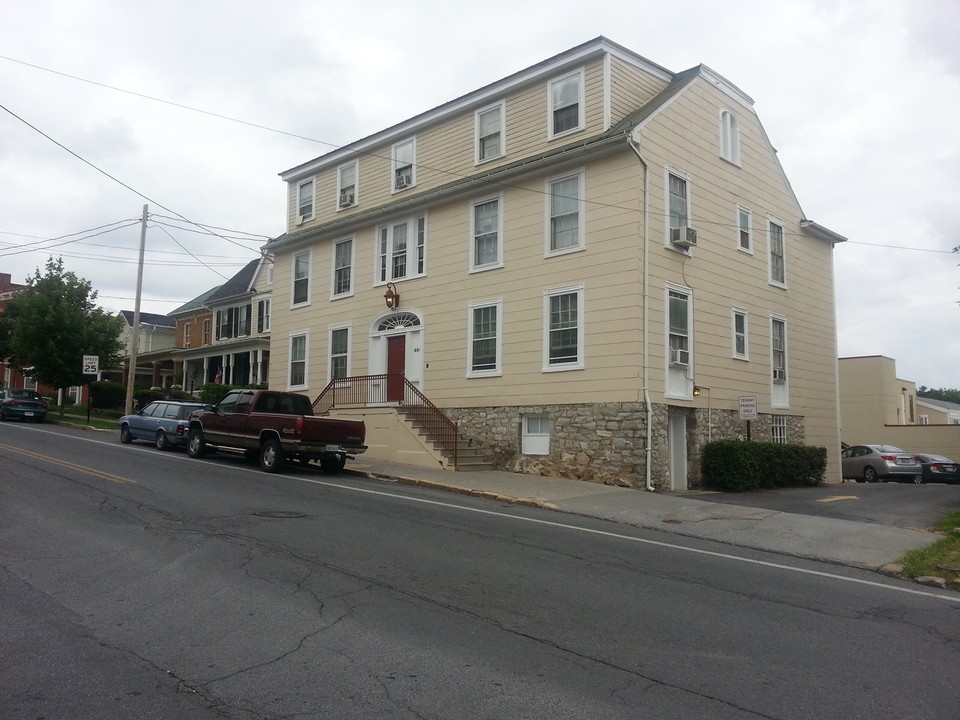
(301, 278)
(187, 333)
(347, 185)
(565, 214)
(740, 346)
(263, 315)
(485, 231)
(778, 267)
(729, 137)
(339, 352)
(744, 230)
(778, 348)
(404, 164)
(678, 205)
(679, 330)
(298, 361)
(305, 201)
(563, 329)
(489, 130)
(401, 249)
(565, 96)
(484, 339)
(343, 267)
(233, 322)
(206, 331)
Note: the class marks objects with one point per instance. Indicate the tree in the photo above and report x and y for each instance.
(47, 328)
(947, 394)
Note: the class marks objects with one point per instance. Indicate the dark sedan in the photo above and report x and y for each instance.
(22, 404)
(939, 469)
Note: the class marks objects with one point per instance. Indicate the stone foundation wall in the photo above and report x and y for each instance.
(605, 442)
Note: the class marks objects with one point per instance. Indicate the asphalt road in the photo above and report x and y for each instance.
(903, 505)
(140, 584)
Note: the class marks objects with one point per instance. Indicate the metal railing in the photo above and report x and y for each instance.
(367, 390)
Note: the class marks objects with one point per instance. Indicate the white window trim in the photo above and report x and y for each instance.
(353, 268)
(581, 122)
(688, 370)
(736, 224)
(746, 333)
(669, 170)
(473, 234)
(547, 294)
(356, 185)
(393, 165)
(330, 330)
(412, 221)
(498, 370)
(293, 278)
(729, 137)
(581, 214)
(268, 300)
(771, 220)
(298, 218)
(501, 106)
(306, 359)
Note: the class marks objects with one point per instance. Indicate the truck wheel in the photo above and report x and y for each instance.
(271, 456)
(196, 447)
(333, 465)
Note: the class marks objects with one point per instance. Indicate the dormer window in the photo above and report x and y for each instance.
(305, 201)
(347, 185)
(404, 162)
(566, 104)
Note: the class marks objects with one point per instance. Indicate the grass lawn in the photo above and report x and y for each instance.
(78, 416)
(944, 553)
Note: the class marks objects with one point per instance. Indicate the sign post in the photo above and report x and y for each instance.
(91, 366)
(748, 410)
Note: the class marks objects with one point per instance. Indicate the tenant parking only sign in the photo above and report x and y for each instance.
(748, 407)
(91, 364)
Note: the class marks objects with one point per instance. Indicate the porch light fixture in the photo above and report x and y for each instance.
(391, 297)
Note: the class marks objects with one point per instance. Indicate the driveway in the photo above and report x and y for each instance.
(903, 505)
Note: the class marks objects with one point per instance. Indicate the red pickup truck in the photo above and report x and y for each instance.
(274, 426)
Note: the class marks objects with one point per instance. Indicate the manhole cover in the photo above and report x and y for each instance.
(280, 514)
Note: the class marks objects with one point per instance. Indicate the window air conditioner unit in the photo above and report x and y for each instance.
(683, 236)
(346, 199)
(679, 357)
(779, 375)
(403, 181)
(301, 219)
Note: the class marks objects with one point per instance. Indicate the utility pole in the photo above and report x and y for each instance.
(135, 334)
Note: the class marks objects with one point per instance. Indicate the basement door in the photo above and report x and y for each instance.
(677, 444)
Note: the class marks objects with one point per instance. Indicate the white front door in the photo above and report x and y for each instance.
(677, 442)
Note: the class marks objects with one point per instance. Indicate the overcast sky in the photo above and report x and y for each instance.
(861, 99)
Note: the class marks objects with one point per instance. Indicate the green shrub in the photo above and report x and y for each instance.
(738, 466)
(212, 392)
(107, 394)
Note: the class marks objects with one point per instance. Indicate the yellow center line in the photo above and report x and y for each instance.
(72, 466)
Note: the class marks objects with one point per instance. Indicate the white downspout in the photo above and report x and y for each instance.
(648, 451)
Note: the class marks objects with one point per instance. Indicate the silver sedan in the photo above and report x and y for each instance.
(870, 463)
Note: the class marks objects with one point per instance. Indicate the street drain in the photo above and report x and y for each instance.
(280, 514)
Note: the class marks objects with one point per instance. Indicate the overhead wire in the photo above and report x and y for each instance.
(335, 146)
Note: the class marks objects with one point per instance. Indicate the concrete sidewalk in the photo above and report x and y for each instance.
(846, 542)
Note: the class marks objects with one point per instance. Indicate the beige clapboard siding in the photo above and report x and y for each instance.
(630, 88)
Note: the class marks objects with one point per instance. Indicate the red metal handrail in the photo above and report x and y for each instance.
(366, 390)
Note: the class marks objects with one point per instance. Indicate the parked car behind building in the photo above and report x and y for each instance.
(870, 463)
(163, 422)
(22, 404)
(939, 469)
